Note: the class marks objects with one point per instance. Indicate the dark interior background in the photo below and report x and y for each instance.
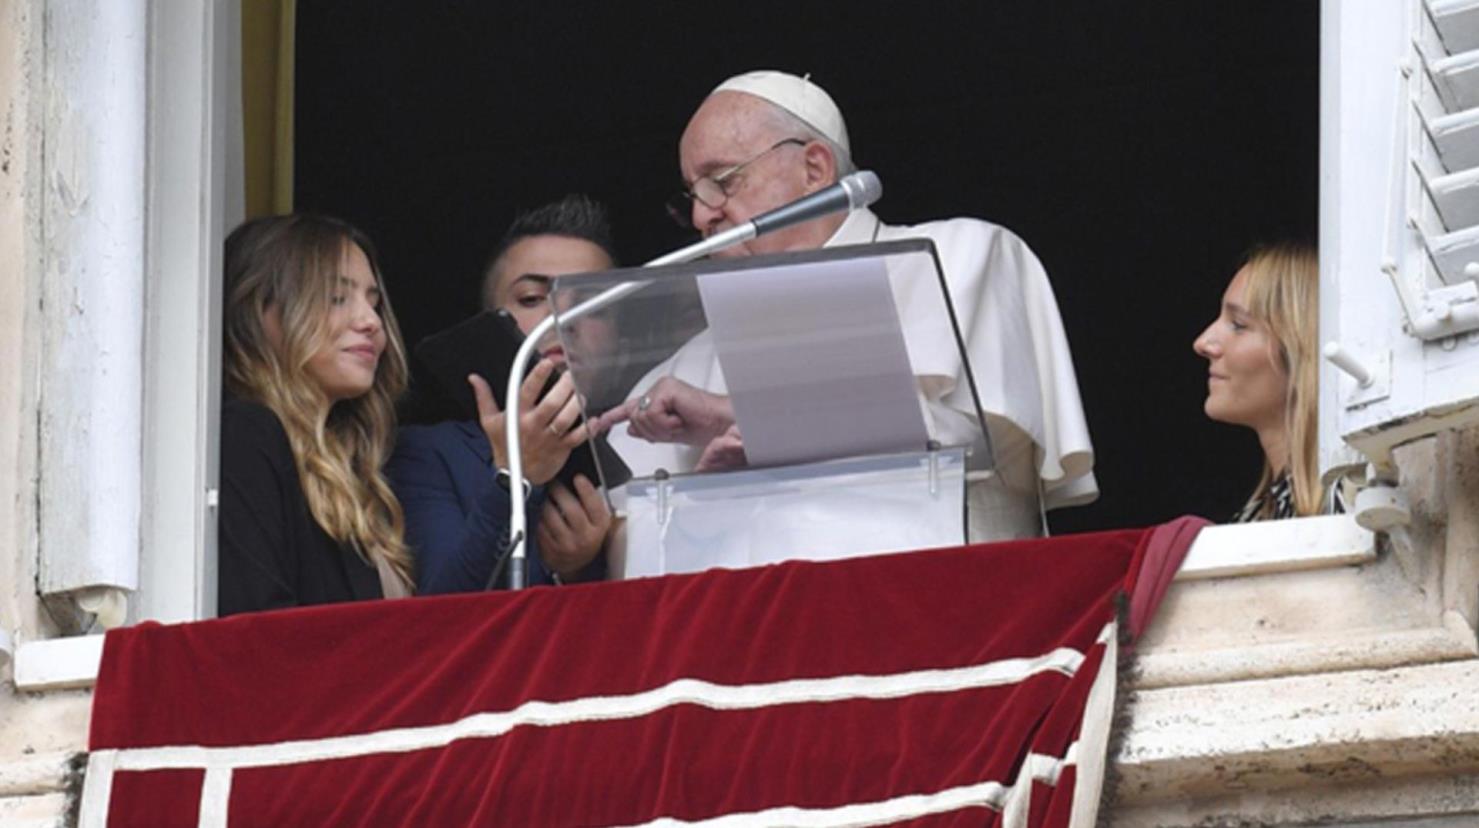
(1139, 148)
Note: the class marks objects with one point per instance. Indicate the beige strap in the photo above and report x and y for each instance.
(391, 582)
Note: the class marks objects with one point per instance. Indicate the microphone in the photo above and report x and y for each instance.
(851, 192)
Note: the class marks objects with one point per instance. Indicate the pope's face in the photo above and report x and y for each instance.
(731, 128)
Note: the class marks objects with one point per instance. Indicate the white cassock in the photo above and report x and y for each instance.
(1018, 354)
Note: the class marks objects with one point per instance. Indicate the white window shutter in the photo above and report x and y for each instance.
(1399, 223)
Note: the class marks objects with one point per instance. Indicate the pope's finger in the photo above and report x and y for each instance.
(615, 416)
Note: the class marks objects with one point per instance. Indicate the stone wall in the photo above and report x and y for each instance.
(1336, 697)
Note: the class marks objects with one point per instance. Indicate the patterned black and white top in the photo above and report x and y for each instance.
(1278, 502)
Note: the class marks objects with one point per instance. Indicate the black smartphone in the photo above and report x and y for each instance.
(486, 345)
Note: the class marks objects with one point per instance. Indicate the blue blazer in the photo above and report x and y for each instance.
(457, 515)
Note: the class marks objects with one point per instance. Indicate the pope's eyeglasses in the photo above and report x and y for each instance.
(714, 190)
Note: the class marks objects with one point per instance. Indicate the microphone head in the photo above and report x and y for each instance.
(862, 188)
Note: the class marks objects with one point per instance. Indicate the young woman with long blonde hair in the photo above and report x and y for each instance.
(1263, 373)
(313, 364)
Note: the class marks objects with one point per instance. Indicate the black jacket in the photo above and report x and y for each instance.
(272, 553)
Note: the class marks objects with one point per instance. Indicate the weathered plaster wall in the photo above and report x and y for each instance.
(19, 227)
(1460, 489)
(39, 733)
(21, 265)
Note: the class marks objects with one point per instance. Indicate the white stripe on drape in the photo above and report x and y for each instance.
(97, 789)
(992, 795)
(215, 797)
(606, 708)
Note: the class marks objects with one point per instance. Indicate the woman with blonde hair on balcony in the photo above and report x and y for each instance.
(1263, 373)
(313, 364)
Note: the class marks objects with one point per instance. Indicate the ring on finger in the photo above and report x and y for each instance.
(644, 403)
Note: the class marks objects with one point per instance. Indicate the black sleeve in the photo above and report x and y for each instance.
(254, 569)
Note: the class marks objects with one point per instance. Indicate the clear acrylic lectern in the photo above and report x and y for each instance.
(844, 377)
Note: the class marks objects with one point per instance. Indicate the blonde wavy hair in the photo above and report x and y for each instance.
(1283, 292)
(292, 263)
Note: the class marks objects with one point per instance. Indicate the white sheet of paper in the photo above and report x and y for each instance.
(815, 361)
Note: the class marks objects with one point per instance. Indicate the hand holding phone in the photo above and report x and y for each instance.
(549, 428)
(484, 346)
